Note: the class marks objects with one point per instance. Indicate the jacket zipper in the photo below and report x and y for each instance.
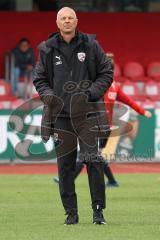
(71, 74)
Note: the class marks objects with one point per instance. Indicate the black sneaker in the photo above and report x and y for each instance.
(98, 217)
(112, 184)
(71, 219)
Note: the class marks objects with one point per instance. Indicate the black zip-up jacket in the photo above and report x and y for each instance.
(54, 70)
(87, 62)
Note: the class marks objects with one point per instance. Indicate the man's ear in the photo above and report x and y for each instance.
(57, 23)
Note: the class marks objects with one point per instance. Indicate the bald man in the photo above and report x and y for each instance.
(71, 77)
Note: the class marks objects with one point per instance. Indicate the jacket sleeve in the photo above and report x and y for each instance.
(104, 74)
(40, 76)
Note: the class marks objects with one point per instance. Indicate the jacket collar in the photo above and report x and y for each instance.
(55, 38)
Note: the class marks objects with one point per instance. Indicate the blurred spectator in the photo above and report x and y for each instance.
(7, 5)
(84, 5)
(114, 6)
(45, 5)
(78, 5)
(154, 6)
(99, 5)
(23, 61)
(135, 5)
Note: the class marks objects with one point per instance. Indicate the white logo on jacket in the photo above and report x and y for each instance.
(58, 57)
(59, 62)
(81, 56)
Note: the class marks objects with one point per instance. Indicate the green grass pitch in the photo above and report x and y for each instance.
(30, 209)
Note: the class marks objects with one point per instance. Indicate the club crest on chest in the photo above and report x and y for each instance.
(81, 56)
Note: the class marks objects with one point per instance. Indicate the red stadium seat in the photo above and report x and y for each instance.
(153, 70)
(2, 105)
(152, 91)
(140, 82)
(131, 89)
(121, 79)
(157, 79)
(4, 88)
(5, 95)
(133, 70)
(118, 75)
(5, 91)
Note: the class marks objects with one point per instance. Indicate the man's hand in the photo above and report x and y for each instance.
(148, 114)
(48, 99)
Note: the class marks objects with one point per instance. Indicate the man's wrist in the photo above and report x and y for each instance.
(47, 99)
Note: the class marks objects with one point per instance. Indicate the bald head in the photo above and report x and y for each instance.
(64, 10)
(66, 20)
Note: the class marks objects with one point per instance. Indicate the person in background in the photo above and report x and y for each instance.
(113, 94)
(23, 62)
(7, 5)
(47, 5)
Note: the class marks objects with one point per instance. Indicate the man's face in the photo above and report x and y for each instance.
(67, 21)
(24, 46)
